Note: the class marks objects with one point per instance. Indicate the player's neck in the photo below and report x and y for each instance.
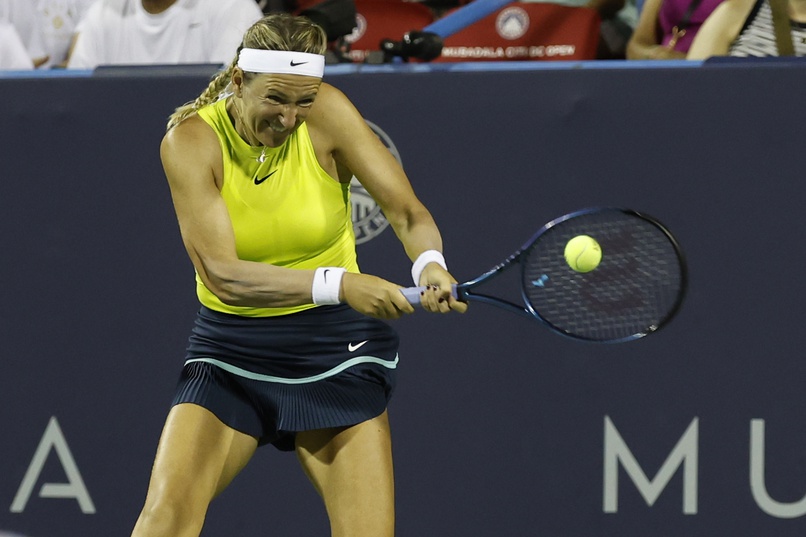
(240, 127)
(157, 6)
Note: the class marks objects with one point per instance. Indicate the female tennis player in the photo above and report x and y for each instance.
(289, 346)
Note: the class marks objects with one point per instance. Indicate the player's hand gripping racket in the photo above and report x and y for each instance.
(635, 290)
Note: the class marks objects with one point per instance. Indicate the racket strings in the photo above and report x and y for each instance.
(637, 286)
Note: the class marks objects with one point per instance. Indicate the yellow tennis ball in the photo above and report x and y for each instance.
(583, 253)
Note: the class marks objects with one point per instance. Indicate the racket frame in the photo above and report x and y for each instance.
(464, 291)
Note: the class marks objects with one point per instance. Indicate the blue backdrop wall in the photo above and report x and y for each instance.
(501, 428)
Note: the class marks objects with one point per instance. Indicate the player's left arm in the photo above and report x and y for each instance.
(338, 126)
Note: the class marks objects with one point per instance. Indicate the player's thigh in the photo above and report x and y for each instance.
(351, 467)
(198, 455)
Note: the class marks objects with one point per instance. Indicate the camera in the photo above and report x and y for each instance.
(424, 46)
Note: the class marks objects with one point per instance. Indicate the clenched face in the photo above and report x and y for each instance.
(269, 107)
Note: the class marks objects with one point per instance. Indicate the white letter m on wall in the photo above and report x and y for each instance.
(684, 453)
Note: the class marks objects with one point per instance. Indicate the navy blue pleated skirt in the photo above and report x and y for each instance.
(271, 377)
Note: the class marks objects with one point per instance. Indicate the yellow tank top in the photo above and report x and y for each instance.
(286, 211)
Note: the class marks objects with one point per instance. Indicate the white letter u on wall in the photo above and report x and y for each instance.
(757, 481)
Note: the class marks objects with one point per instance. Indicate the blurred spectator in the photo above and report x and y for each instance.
(22, 14)
(666, 28)
(336, 17)
(59, 19)
(744, 28)
(142, 32)
(617, 31)
(275, 6)
(13, 55)
(619, 18)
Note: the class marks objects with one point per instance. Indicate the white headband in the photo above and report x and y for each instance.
(281, 62)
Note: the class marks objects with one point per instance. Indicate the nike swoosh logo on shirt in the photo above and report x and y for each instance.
(353, 348)
(258, 181)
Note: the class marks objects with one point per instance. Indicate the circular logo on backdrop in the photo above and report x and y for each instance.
(358, 31)
(512, 23)
(368, 219)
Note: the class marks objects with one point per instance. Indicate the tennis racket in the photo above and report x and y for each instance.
(636, 289)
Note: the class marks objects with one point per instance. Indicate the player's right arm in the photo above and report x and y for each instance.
(192, 160)
(193, 164)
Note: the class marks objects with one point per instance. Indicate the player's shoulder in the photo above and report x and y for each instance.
(191, 137)
(329, 96)
(331, 107)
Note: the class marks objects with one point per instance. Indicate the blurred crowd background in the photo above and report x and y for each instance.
(85, 34)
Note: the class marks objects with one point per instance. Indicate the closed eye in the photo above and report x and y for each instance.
(279, 100)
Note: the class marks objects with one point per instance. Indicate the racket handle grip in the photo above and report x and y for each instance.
(412, 294)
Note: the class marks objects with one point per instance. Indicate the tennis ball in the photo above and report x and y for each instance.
(583, 253)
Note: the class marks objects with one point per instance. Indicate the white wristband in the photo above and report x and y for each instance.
(326, 285)
(429, 256)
